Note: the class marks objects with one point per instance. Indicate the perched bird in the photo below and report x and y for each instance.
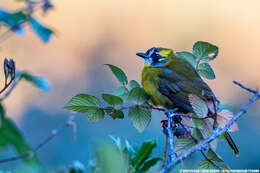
(170, 80)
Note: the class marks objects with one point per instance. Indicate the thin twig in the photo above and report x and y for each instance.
(216, 133)
(6, 86)
(5, 35)
(246, 88)
(158, 109)
(204, 155)
(137, 106)
(192, 117)
(196, 141)
(53, 134)
(9, 91)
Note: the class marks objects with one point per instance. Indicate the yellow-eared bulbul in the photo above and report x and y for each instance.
(169, 81)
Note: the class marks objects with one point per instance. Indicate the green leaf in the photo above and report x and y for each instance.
(139, 95)
(112, 100)
(14, 20)
(204, 164)
(123, 93)
(198, 105)
(205, 51)
(197, 134)
(143, 154)
(11, 136)
(43, 32)
(38, 81)
(82, 102)
(120, 75)
(149, 164)
(187, 56)
(182, 144)
(214, 156)
(205, 70)
(206, 130)
(109, 160)
(140, 118)
(222, 137)
(133, 84)
(94, 114)
(196, 122)
(114, 113)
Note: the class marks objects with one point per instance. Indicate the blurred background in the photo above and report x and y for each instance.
(89, 34)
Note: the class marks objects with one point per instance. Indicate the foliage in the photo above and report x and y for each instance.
(135, 160)
(140, 112)
(11, 136)
(16, 21)
(201, 51)
(129, 92)
(37, 81)
(113, 159)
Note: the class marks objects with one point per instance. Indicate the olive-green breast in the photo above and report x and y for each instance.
(150, 79)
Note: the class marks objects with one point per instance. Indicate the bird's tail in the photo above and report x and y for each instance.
(231, 143)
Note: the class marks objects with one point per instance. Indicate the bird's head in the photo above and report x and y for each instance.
(156, 57)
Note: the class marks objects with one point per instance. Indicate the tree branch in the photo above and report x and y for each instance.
(137, 106)
(170, 140)
(69, 123)
(217, 132)
(196, 141)
(158, 109)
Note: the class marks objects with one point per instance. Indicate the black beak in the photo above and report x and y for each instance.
(143, 55)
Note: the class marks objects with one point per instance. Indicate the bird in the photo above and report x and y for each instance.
(169, 80)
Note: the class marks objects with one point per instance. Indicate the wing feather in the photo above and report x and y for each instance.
(177, 82)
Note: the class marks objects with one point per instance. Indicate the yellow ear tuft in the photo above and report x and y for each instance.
(165, 52)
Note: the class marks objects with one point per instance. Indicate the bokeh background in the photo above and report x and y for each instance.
(89, 34)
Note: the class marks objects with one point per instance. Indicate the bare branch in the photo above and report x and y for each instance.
(54, 133)
(217, 132)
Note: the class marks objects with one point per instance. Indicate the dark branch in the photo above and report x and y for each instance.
(217, 132)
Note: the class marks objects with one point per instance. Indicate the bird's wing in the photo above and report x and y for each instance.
(178, 80)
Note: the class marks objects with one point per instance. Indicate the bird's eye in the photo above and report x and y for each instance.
(156, 56)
